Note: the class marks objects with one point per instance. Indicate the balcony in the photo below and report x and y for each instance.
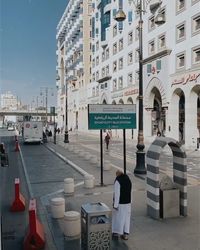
(104, 78)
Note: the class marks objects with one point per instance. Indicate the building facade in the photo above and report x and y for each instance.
(171, 65)
(73, 64)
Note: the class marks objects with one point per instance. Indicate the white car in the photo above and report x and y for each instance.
(11, 128)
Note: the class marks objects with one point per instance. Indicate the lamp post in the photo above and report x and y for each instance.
(120, 16)
(66, 136)
(46, 90)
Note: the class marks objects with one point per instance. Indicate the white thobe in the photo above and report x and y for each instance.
(121, 216)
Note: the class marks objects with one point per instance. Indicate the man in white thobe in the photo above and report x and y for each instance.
(121, 205)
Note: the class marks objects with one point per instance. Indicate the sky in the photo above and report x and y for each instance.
(28, 47)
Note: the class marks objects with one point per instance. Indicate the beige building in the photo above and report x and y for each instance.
(73, 64)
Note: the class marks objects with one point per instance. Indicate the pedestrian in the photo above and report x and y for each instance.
(158, 133)
(107, 139)
(50, 134)
(2, 148)
(121, 205)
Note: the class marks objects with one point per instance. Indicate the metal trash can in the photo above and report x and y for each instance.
(95, 226)
(169, 198)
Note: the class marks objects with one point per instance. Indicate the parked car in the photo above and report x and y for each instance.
(11, 128)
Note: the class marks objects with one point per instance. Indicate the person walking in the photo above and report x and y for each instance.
(107, 140)
(121, 205)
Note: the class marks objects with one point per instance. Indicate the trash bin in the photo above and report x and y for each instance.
(95, 226)
(169, 198)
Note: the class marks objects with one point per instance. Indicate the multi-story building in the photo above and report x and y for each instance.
(9, 101)
(171, 65)
(73, 63)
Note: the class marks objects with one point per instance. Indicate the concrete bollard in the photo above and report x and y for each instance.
(57, 207)
(89, 181)
(68, 185)
(72, 224)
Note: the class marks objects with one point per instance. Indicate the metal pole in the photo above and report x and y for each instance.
(54, 134)
(46, 105)
(66, 136)
(140, 154)
(101, 155)
(124, 149)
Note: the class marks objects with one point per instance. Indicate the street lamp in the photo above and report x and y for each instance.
(66, 136)
(46, 90)
(120, 16)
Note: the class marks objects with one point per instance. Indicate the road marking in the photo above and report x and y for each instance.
(26, 174)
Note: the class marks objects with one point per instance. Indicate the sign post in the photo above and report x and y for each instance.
(108, 116)
(53, 112)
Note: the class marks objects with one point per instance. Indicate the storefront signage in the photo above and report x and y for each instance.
(110, 116)
(185, 79)
(131, 92)
(117, 95)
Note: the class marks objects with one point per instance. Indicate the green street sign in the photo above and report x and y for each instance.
(107, 116)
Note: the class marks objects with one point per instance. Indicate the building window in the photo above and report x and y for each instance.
(97, 90)
(136, 76)
(196, 24)
(196, 55)
(137, 33)
(121, 45)
(137, 55)
(114, 48)
(130, 79)
(121, 63)
(103, 72)
(130, 58)
(107, 70)
(97, 45)
(103, 56)
(93, 63)
(107, 53)
(93, 77)
(163, 13)
(93, 91)
(114, 66)
(97, 75)
(130, 37)
(180, 5)
(151, 47)
(114, 84)
(97, 60)
(161, 42)
(151, 23)
(130, 17)
(120, 82)
(180, 61)
(180, 32)
(114, 30)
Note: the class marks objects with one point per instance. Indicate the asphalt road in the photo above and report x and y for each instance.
(40, 173)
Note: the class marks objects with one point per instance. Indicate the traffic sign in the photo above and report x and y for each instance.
(108, 116)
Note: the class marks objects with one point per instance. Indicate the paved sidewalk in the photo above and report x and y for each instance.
(146, 233)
